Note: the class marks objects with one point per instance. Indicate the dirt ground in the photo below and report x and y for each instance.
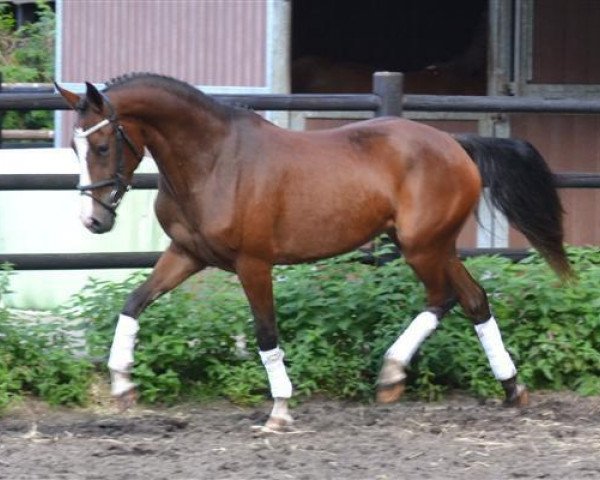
(557, 437)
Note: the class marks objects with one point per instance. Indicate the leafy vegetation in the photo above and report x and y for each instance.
(27, 56)
(37, 359)
(337, 318)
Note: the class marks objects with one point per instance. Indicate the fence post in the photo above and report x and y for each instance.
(389, 87)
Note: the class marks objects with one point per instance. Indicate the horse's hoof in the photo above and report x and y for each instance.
(390, 384)
(279, 424)
(519, 398)
(275, 425)
(390, 393)
(126, 400)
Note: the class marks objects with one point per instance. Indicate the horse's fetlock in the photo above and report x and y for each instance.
(392, 372)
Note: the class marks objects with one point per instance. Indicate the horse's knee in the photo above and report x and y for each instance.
(138, 300)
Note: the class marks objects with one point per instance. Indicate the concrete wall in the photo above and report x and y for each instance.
(48, 222)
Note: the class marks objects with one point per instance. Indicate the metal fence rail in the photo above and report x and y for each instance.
(348, 102)
(80, 261)
(117, 260)
(387, 99)
(149, 181)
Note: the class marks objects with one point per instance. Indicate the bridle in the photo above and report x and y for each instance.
(118, 180)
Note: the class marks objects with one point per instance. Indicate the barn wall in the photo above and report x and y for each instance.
(209, 42)
(564, 34)
(562, 63)
(570, 143)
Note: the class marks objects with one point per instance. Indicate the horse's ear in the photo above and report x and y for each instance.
(71, 98)
(94, 97)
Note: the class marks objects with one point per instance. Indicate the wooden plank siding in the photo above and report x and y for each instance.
(209, 42)
(565, 34)
(570, 143)
(221, 43)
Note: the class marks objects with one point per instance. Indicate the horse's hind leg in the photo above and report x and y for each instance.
(473, 300)
(429, 265)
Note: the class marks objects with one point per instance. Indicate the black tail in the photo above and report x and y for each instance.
(521, 186)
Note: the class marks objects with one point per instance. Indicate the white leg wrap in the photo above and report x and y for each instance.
(491, 340)
(120, 383)
(411, 339)
(121, 352)
(281, 387)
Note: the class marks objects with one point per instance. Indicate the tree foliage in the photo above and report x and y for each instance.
(27, 56)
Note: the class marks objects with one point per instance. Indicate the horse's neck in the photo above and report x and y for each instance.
(178, 134)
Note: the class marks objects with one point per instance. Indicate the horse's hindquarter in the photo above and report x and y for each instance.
(440, 188)
(339, 188)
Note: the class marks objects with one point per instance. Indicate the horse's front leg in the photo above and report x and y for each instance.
(172, 268)
(255, 276)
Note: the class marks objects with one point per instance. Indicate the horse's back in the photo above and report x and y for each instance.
(388, 153)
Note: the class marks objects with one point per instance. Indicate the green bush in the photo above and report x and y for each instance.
(338, 317)
(38, 359)
(186, 341)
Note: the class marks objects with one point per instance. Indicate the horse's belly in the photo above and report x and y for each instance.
(329, 230)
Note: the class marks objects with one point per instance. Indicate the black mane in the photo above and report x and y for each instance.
(176, 87)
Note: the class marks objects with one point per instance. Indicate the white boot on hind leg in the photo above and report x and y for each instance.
(491, 341)
(390, 384)
(502, 365)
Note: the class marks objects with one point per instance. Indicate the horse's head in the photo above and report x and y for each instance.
(109, 150)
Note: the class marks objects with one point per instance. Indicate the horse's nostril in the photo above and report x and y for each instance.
(95, 225)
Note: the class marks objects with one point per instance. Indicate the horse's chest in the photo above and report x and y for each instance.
(202, 246)
(188, 228)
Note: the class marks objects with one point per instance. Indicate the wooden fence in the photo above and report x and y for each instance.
(387, 99)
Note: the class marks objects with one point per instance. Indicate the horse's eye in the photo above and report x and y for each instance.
(102, 150)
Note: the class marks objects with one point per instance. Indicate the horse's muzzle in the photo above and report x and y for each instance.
(96, 225)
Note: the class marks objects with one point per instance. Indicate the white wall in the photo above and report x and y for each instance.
(48, 222)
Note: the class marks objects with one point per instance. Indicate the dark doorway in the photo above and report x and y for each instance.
(444, 41)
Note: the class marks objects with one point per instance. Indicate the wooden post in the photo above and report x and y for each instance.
(389, 87)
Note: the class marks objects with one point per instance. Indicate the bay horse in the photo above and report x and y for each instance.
(239, 193)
